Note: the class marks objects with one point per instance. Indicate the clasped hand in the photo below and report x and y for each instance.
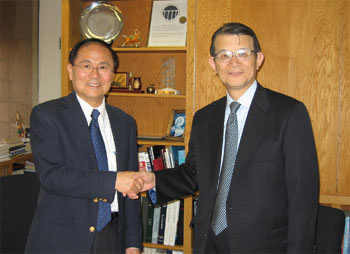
(132, 183)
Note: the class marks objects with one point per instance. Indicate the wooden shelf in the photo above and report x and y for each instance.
(162, 246)
(160, 96)
(341, 202)
(164, 142)
(150, 49)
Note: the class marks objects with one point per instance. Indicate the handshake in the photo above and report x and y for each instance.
(131, 183)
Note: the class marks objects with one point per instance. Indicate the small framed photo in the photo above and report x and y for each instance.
(176, 126)
(120, 80)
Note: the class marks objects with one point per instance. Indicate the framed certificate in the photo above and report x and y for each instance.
(168, 24)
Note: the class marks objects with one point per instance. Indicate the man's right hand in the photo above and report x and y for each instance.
(127, 184)
(148, 179)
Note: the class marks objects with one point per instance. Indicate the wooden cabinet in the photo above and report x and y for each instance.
(151, 111)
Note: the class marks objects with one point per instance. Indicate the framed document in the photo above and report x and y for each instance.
(168, 24)
(176, 126)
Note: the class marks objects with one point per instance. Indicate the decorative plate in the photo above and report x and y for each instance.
(101, 20)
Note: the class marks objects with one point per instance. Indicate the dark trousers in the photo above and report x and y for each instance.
(108, 240)
(217, 244)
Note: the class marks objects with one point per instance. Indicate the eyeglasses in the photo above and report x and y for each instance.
(87, 68)
(240, 54)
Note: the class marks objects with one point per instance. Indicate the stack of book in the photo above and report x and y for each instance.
(4, 151)
(11, 147)
(162, 224)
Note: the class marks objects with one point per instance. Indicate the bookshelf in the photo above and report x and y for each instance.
(6, 166)
(151, 111)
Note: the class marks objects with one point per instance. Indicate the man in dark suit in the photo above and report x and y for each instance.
(271, 174)
(83, 207)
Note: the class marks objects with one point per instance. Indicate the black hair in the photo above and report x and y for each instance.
(232, 29)
(74, 52)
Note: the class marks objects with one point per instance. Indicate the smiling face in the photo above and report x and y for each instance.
(91, 86)
(236, 75)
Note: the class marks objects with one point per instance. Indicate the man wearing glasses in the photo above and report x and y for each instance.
(85, 152)
(251, 156)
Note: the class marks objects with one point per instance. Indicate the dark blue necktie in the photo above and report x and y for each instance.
(104, 208)
(219, 220)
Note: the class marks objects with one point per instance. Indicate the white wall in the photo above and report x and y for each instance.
(49, 51)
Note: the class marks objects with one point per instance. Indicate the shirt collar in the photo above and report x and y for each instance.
(87, 109)
(245, 100)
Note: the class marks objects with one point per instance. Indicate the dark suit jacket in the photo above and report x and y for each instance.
(273, 197)
(70, 180)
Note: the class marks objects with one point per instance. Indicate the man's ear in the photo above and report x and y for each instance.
(212, 63)
(259, 60)
(70, 71)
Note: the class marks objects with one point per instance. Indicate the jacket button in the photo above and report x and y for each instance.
(95, 200)
(92, 229)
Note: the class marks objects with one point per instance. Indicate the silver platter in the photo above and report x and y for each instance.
(101, 20)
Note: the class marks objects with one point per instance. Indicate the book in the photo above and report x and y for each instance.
(144, 211)
(156, 217)
(173, 220)
(29, 167)
(180, 225)
(166, 158)
(346, 238)
(148, 163)
(142, 161)
(168, 219)
(150, 155)
(17, 151)
(175, 152)
(182, 157)
(158, 164)
(149, 226)
(162, 218)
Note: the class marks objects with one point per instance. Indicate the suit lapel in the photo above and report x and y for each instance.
(254, 128)
(215, 133)
(75, 118)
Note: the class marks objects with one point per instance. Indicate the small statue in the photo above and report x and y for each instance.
(133, 38)
(20, 125)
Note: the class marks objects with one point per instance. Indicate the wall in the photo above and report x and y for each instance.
(306, 47)
(18, 58)
(24, 64)
(49, 53)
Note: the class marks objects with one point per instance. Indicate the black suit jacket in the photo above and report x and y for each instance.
(273, 198)
(70, 181)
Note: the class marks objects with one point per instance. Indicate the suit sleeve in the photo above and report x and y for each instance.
(302, 178)
(57, 174)
(180, 181)
(132, 211)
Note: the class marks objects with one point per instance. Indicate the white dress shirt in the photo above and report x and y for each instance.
(245, 100)
(107, 135)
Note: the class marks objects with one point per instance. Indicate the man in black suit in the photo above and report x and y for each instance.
(73, 184)
(272, 194)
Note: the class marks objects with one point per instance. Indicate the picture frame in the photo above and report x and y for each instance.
(176, 125)
(120, 80)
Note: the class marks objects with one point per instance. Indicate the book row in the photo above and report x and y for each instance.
(163, 224)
